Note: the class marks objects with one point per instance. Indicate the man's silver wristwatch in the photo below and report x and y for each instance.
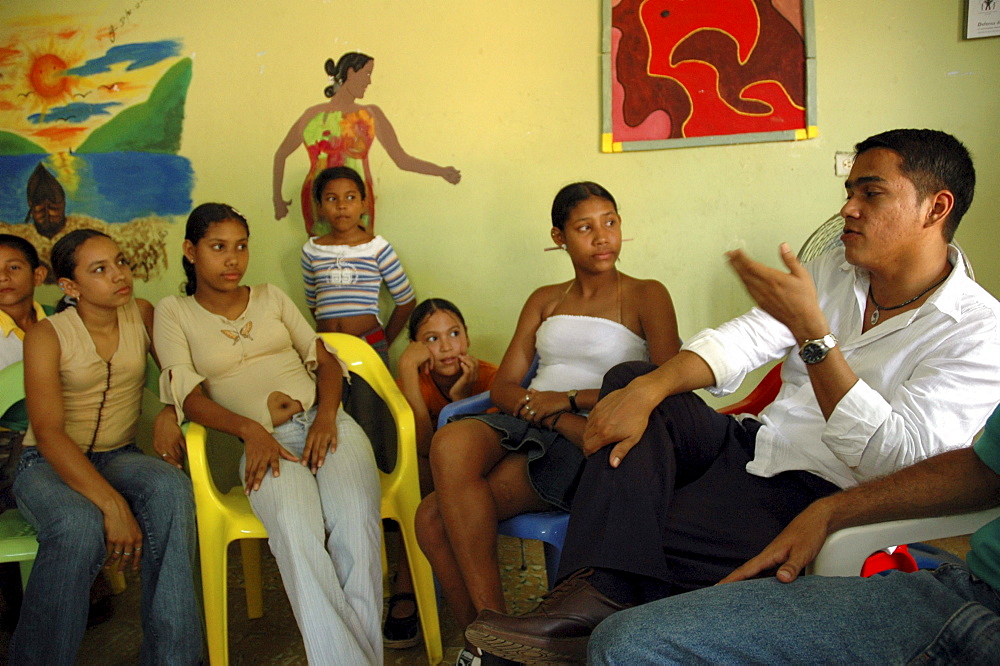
(814, 351)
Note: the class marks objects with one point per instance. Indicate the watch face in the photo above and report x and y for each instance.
(814, 352)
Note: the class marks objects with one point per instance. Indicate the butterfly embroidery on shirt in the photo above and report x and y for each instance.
(235, 337)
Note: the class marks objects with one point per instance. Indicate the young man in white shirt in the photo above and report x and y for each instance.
(893, 354)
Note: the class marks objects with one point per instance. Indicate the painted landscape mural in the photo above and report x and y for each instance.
(91, 135)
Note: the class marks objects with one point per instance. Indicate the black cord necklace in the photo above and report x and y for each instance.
(874, 318)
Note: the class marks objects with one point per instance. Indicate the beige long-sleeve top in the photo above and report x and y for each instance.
(239, 362)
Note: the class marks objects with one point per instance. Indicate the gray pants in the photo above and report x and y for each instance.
(325, 533)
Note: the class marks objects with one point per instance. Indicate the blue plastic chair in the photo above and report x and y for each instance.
(549, 527)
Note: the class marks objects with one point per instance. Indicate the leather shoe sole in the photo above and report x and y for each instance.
(525, 648)
(557, 631)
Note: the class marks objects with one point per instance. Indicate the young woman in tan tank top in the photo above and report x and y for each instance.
(93, 496)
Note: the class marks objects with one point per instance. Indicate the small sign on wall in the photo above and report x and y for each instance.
(982, 18)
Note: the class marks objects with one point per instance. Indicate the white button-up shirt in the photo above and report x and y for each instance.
(927, 379)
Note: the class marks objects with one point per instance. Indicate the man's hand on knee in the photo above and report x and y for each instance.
(619, 418)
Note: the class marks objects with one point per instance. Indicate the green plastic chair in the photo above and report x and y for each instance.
(18, 539)
(11, 385)
(18, 542)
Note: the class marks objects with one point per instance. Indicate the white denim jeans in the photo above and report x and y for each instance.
(325, 533)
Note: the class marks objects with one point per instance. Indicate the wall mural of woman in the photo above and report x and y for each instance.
(340, 132)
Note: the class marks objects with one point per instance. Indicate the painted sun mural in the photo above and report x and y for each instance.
(696, 72)
(91, 133)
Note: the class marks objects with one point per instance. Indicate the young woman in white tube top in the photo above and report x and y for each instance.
(491, 467)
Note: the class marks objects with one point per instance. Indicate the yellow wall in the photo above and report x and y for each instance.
(509, 92)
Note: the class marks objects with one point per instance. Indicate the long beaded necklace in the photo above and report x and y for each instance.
(874, 318)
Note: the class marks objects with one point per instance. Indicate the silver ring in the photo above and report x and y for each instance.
(163, 455)
(138, 548)
(527, 397)
(127, 553)
(531, 411)
(116, 552)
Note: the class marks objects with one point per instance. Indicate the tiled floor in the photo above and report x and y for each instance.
(274, 638)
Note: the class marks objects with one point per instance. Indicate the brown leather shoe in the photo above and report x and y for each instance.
(555, 632)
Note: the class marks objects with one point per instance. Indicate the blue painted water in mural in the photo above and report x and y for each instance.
(113, 187)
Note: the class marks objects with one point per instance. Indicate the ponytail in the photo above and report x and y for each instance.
(65, 303)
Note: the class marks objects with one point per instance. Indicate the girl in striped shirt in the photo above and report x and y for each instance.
(344, 269)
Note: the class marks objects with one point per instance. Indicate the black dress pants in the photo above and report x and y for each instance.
(681, 507)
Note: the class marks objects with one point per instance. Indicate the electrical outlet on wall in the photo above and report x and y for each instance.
(842, 163)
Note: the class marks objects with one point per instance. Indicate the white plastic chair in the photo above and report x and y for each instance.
(845, 551)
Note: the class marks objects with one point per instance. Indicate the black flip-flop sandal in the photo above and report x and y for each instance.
(399, 633)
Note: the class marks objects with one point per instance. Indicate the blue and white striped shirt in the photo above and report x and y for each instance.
(343, 280)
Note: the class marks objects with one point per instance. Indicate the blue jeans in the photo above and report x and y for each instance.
(942, 616)
(71, 551)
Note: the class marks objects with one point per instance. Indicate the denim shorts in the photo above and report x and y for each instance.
(554, 462)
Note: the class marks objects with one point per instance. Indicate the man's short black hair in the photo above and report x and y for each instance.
(933, 161)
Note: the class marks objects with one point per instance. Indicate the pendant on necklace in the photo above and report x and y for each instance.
(874, 318)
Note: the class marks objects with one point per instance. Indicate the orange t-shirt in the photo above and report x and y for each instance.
(436, 400)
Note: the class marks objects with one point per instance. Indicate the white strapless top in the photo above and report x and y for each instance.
(575, 351)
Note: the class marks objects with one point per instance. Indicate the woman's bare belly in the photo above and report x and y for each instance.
(282, 407)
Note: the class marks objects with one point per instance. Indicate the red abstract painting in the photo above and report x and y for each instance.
(697, 72)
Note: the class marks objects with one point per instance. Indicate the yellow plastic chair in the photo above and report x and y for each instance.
(224, 517)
